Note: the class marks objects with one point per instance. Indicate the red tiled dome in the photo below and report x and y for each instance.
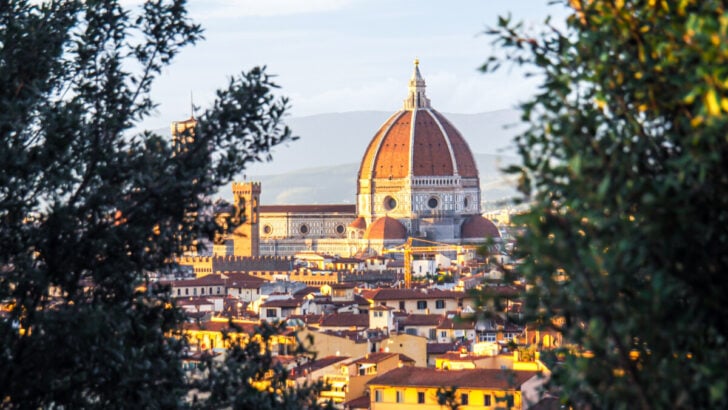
(359, 223)
(432, 147)
(386, 228)
(417, 141)
(478, 227)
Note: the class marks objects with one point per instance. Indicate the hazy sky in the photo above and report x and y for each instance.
(349, 55)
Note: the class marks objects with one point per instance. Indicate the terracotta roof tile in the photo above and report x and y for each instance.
(466, 378)
(457, 324)
(359, 223)
(320, 363)
(235, 280)
(386, 228)
(440, 348)
(345, 320)
(388, 154)
(282, 303)
(463, 155)
(378, 357)
(362, 402)
(478, 227)
(400, 294)
(216, 326)
(422, 320)
(307, 290)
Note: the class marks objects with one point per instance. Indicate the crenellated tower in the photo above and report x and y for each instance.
(183, 133)
(246, 235)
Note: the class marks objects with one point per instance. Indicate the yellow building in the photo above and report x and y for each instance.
(416, 388)
(351, 379)
(219, 335)
(333, 344)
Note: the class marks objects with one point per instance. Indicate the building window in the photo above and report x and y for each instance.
(464, 399)
(432, 203)
(303, 229)
(466, 202)
(487, 400)
(179, 292)
(421, 304)
(390, 203)
(443, 333)
(218, 290)
(377, 395)
(440, 304)
(267, 229)
(401, 305)
(400, 396)
(433, 334)
(420, 397)
(271, 313)
(340, 229)
(187, 292)
(411, 331)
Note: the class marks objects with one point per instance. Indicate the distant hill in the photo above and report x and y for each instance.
(342, 138)
(336, 184)
(321, 167)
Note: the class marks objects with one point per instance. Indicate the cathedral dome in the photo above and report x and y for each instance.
(478, 227)
(386, 228)
(417, 141)
(358, 223)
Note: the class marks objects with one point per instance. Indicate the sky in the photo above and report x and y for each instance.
(349, 55)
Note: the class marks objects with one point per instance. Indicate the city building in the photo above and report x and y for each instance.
(417, 178)
(417, 387)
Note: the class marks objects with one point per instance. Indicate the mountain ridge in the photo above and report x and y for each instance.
(322, 166)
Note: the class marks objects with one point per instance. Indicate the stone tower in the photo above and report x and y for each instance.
(246, 236)
(183, 133)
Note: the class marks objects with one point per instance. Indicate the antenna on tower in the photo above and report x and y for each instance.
(192, 106)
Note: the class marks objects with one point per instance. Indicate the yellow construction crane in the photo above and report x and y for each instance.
(408, 250)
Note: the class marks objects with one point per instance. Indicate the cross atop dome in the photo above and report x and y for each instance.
(416, 98)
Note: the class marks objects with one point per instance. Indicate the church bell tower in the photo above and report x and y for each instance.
(246, 236)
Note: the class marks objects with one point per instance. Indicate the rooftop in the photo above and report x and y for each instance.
(466, 378)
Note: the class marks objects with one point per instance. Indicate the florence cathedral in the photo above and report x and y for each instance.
(417, 178)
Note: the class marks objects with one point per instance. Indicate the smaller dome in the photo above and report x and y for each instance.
(478, 227)
(359, 223)
(386, 228)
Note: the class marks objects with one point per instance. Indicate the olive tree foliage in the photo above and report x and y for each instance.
(250, 377)
(625, 166)
(89, 205)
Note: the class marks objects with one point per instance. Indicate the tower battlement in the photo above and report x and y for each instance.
(246, 188)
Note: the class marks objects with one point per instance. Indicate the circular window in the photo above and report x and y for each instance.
(267, 229)
(390, 203)
(303, 229)
(340, 229)
(432, 203)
